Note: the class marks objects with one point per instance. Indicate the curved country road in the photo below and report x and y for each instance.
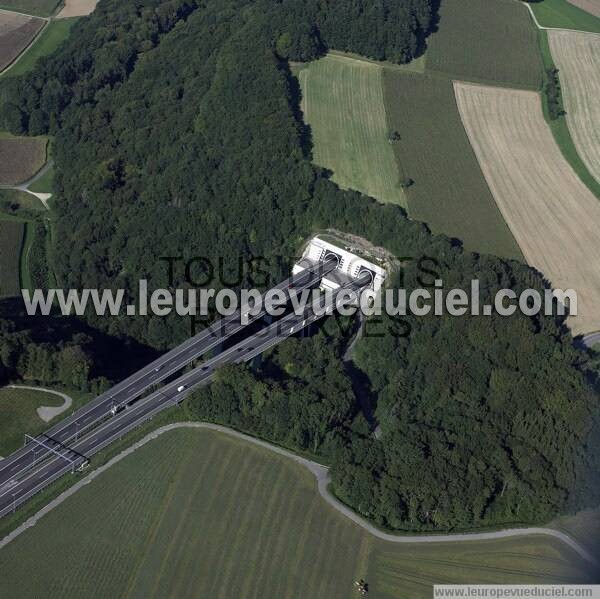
(322, 475)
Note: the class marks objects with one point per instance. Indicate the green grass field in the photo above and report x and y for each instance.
(18, 415)
(45, 183)
(54, 34)
(344, 105)
(11, 246)
(38, 8)
(563, 15)
(196, 513)
(489, 41)
(449, 190)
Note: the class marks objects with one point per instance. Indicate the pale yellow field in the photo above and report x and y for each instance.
(591, 6)
(577, 56)
(552, 214)
(77, 8)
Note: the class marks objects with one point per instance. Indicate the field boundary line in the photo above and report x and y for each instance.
(321, 473)
(28, 47)
(537, 24)
(24, 14)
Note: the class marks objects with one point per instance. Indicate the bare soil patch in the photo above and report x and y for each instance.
(591, 6)
(20, 158)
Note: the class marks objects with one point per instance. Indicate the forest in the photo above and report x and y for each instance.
(178, 133)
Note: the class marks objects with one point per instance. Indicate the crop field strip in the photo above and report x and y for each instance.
(590, 6)
(16, 34)
(562, 14)
(21, 158)
(38, 8)
(53, 35)
(11, 244)
(449, 192)
(554, 217)
(199, 513)
(77, 8)
(482, 41)
(577, 56)
(344, 105)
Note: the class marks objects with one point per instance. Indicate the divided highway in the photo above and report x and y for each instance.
(28, 475)
(136, 385)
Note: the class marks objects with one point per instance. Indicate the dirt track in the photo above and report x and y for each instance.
(554, 217)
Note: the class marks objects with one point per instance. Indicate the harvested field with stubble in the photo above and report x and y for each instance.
(449, 192)
(197, 513)
(11, 243)
(553, 216)
(344, 105)
(577, 56)
(21, 158)
(488, 41)
(77, 8)
(16, 33)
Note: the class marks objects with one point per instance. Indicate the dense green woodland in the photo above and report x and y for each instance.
(178, 133)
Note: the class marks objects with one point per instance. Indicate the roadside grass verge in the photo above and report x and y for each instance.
(33, 267)
(53, 35)
(344, 105)
(259, 529)
(18, 415)
(12, 233)
(492, 41)
(45, 184)
(449, 191)
(560, 127)
(564, 15)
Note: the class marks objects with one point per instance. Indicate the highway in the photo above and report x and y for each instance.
(18, 489)
(129, 390)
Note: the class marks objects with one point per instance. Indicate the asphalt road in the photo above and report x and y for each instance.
(32, 477)
(131, 389)
(591, 339)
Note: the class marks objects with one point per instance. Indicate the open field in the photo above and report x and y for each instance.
(492, 41)
(18, 415)
(554, 217)
(449, 191)
(590, 6)
(11, 243)
(54, 34)
(77, 8)
(577, 56)
(39, 8)
(16, 33)
(18, 203)
(565, 15)
(344, 105)
(560, 128)
(197, 513)
(21, 158)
